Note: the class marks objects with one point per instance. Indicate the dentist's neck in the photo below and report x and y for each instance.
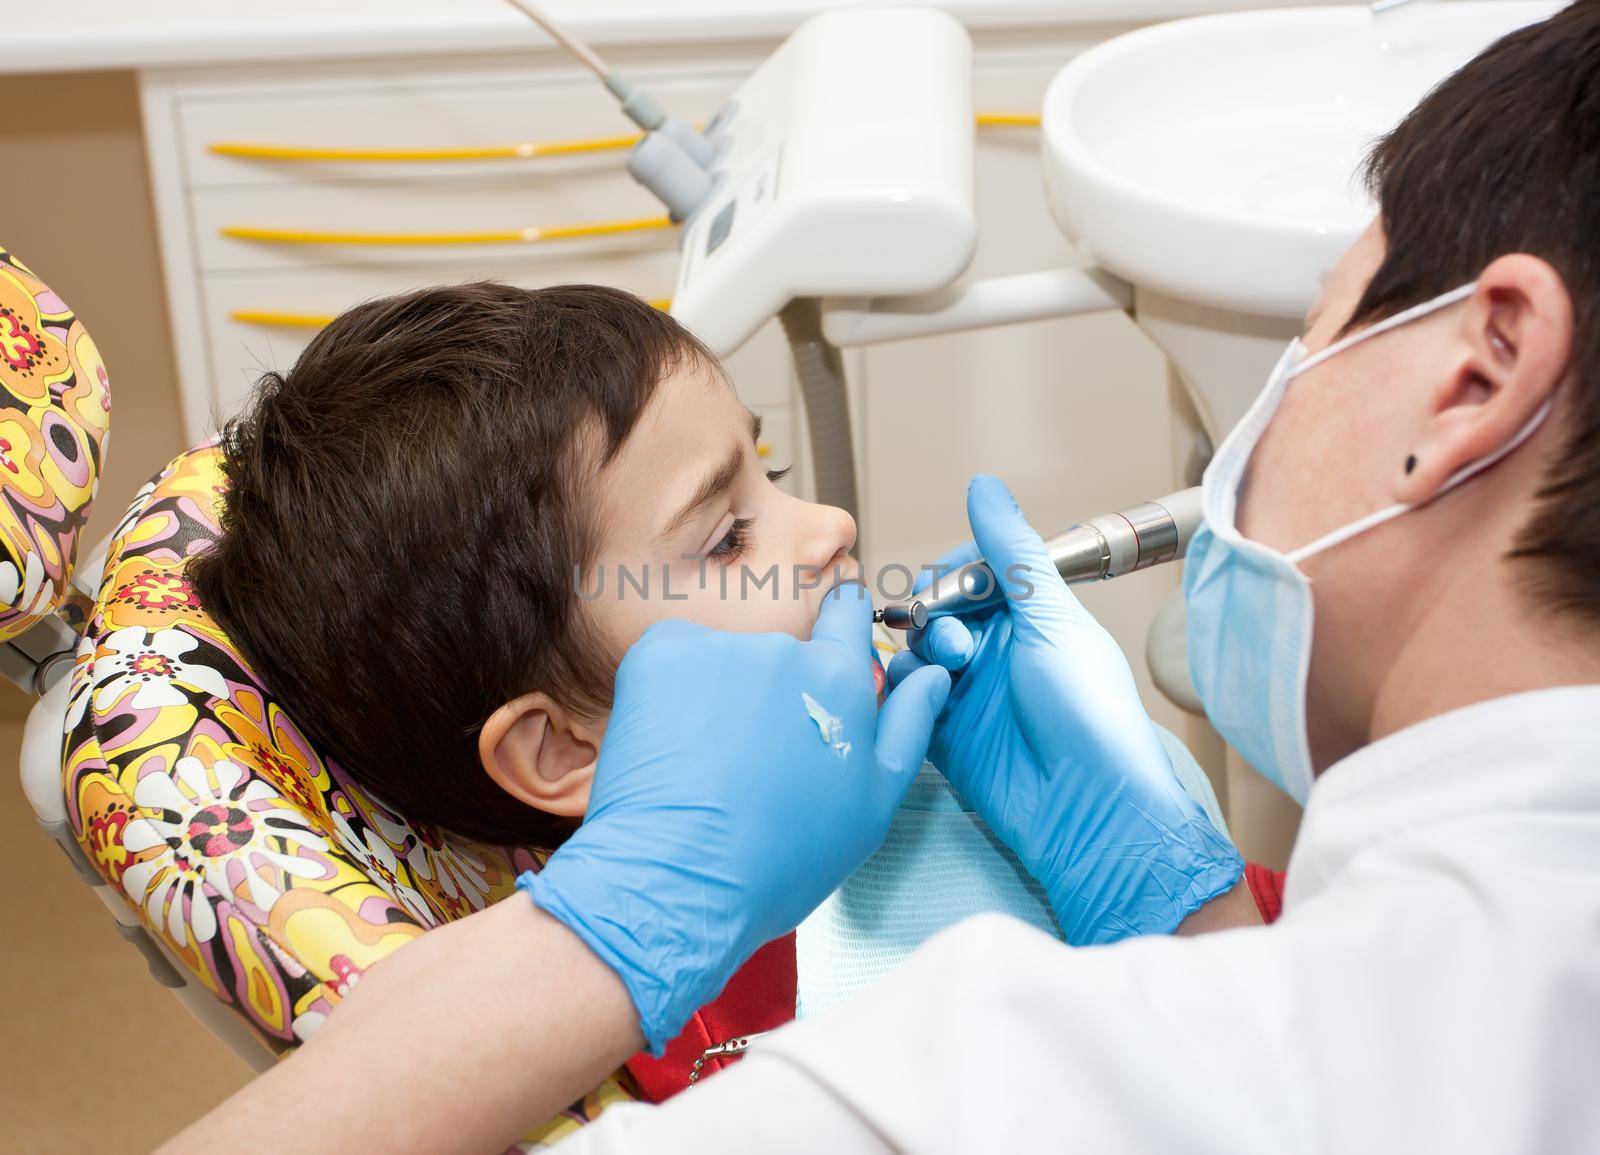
(1483, 634)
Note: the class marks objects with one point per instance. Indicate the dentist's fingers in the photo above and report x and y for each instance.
(1015, 552)
(905, 724)
(947, 641)
(846, 618)
(902, 666)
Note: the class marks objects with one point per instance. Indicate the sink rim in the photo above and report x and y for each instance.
(1213, 255)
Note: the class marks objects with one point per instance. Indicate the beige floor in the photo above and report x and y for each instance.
(94, 1056)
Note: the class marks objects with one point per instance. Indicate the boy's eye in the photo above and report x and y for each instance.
(733, 542)
(777, 475)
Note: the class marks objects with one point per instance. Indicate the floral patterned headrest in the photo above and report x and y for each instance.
(55, 407)
(272, 877)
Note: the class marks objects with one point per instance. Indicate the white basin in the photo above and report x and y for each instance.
(1215, 159)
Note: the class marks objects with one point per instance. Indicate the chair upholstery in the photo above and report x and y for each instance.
(266, 871)
(55, 408)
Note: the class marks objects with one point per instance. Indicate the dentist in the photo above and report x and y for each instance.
(1394, 612)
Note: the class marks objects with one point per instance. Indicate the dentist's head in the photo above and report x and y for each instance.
(1460, 333)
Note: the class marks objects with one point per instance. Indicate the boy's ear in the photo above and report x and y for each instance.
(541, 754)
(1512, 350)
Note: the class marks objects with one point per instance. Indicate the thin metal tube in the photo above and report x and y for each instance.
(590, 58)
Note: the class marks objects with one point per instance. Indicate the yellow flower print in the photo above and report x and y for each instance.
(454, 873)
(267, 741)
(31, 359)
(149, 593)
(20, 454)
(103, 831)
(197, 475)
(199, 830)
(88, 402)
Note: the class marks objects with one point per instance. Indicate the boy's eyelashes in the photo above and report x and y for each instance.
(777, 475)
(733, 543)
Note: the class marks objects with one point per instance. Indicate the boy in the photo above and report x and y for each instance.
(447, 523)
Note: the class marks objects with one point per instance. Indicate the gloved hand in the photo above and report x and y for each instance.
(1045, 736)
(742, 777)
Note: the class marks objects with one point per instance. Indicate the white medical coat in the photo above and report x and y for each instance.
(1432, 985)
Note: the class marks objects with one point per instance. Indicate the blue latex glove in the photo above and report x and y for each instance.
(741, 779)
(1045, 736)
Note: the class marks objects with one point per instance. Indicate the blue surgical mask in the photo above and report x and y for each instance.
(1250, 607)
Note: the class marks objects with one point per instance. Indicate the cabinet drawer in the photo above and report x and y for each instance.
(418, 112)
(240, 351)
(423, 209)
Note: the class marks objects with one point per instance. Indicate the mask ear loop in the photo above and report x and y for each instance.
(1465, 473)
(1404, 317)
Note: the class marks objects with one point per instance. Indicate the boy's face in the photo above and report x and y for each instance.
(693, 525)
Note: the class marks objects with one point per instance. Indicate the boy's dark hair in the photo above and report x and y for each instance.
(404, 513)
(1504, 157)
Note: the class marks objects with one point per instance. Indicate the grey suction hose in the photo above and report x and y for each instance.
(822, 387)
(672, 158)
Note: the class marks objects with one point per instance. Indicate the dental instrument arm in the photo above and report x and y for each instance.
(1101, 548)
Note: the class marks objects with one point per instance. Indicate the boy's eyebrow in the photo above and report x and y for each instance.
(715, 482)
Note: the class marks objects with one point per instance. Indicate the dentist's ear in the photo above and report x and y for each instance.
(541, 754)
(1510, 353)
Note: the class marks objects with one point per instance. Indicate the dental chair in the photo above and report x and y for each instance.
(255, 877)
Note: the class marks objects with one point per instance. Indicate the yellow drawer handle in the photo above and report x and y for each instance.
(275, 320)
(526, 235)
(520, 150)
(272, 319)
(1008, 120)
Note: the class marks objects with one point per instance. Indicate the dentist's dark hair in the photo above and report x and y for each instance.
(404, 511)
(1504, 157)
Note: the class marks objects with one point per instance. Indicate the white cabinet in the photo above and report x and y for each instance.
(244, 304)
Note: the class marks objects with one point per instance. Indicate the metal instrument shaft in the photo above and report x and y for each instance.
(1103, 547)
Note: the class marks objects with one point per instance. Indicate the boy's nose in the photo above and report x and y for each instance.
(833, 535)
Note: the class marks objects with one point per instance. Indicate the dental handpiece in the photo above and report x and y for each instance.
(1103, 547)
